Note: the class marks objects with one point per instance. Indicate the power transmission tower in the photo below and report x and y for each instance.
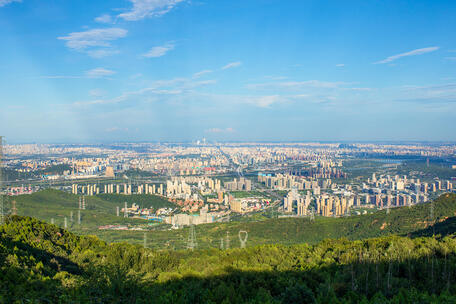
(145, 240)
(227, 240)
(125, 210)
(13, 208)
(191, 242)
(243, 239)
(71, 216)
(65, 224)
(117, 210)
(79, 217)
(80, 203)
(83, 203)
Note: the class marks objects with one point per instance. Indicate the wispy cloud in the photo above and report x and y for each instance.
(105, 18)
(411, 53)
(148, 8)
(60, 77)
(93, 38)
(96, 42)
(340, 65)
(450, 58)
(97, 93)
(232, 65)
(264, 101)
(298, 84)
(159, 88)
(220, 130)
(99, 73)
(5, 2)
(100, 53)
(199, 74)
(432, 94)
(158, 51)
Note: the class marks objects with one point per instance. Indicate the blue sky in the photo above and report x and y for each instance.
(142, 70)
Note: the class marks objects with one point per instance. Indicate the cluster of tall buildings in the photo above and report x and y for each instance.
(287, 182)
(241, 184)
(126, 189)
(301, 202)
(178, 188)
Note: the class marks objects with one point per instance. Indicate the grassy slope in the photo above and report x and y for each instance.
(101, 210)
(298, 230)
(283, 231)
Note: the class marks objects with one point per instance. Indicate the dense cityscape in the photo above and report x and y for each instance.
(208, 182)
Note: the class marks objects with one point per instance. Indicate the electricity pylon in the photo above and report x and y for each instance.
(191, 242)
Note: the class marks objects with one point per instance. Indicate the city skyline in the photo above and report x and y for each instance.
(178, 70)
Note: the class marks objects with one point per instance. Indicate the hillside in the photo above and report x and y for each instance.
(402, 221)
(101, 211)
(41, 263)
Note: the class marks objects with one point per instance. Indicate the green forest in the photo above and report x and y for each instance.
(413, 262)
(42, 263)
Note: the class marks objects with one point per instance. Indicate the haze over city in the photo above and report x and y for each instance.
(175, 70)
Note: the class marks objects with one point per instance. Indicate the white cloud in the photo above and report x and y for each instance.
(411, 53)
(148, 8)
(5, 2)
(158, 51)
(340, 65)
(232, 65)
(450, 58)
(105, 18)
(93, 38)
(99, 73)
(100, 53)
(199, 74)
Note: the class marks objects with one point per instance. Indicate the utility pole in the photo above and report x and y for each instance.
(191, 242)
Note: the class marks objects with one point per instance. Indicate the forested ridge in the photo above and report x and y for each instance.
(42, 263)
(52, 204)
